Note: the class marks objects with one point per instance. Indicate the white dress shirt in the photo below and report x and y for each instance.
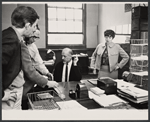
(64, 69)
(36, 59)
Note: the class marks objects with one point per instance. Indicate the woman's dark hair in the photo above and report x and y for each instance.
(109, 33)
(22, 15)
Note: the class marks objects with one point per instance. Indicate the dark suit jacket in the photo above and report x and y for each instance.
(11, 57)
(75, 74)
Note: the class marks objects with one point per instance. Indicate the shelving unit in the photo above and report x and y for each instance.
(138, 55)
(139, 47)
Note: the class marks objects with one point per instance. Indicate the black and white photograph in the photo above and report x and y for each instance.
(74, 60)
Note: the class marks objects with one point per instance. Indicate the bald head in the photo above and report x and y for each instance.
(67, 50)
(67, 55)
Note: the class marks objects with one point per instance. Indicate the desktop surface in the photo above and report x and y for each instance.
(65, 87)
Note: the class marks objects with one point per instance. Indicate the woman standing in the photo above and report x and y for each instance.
(105, 57)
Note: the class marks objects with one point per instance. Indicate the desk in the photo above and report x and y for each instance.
(90, 103)
(86, 102)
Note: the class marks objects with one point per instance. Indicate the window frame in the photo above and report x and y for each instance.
(121, 33)
(72, 46)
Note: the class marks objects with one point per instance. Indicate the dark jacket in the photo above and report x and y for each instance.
(11, 57)
(75, 74)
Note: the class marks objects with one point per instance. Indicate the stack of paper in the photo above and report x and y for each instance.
(106, 100)
(123, 84)
(44, 95)
(97, 90)
(70, 105)
(134, 94)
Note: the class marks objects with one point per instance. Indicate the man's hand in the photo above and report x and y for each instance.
(75, 60)
(50, 76)
(94, 71)
(61, 95)
(10, 96)
(117, 67)
(53, 84)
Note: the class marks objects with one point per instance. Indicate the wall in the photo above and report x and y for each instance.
(7, 10)
(111, 15)
(91, 22)
(6, 14)
(99, 17)
(40, 9)
(91, 25)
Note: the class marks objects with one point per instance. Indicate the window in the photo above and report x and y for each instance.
(65, 25)
(123, 33)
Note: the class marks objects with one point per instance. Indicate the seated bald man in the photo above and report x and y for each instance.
(67, 69)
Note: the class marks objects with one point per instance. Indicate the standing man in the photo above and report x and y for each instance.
(16, 61)
(67, 69)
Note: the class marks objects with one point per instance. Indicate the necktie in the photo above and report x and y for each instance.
(66, 72)
(106, 45)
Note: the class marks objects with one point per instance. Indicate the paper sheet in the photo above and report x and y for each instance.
(144, 73)
(140, 58)
(97, 90)
(93, 81)
(70, 105)
(123, 84)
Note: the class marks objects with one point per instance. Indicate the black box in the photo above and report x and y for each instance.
(107, 84)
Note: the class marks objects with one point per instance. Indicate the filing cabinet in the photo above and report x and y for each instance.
(140, 12)
(137, 34)
(139, 23)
